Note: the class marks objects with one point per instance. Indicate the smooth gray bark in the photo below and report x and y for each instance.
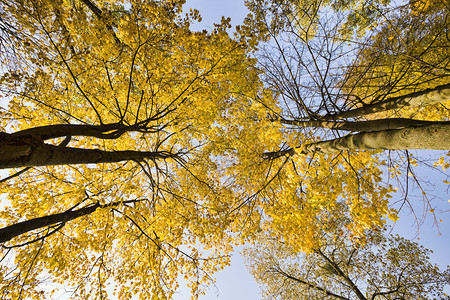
(423, 137)
(422, 98)
(366, 126)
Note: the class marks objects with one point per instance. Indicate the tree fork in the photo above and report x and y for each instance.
(344, 276)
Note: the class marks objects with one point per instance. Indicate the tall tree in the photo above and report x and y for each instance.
(382, 267)
(338, 109)
(145, 147)
(118, 117)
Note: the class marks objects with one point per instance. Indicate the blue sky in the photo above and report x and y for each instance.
(213, 10)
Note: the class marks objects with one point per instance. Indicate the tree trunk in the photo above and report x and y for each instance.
(422, 98)
(423, 137)
(9, 232)
(366, 126)
(106, 131)
(31, 151)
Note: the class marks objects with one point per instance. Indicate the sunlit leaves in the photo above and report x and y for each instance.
(387, 266)
(167, 89)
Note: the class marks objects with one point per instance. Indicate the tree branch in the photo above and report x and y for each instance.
(340, 273)
(311, 285)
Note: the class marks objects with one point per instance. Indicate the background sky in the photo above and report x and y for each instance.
(235, 281)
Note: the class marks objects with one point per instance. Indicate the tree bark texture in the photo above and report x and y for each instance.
(423, 137)
(31, 151)
(9, 232)
(106, 131)
(365, 126)
(422, 98)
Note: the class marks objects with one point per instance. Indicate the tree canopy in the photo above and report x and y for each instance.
(142, 151)
(385, 267)
(119, 117)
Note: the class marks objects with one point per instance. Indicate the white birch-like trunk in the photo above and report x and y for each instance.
(362, 126)
(423, 137)
(422, 98)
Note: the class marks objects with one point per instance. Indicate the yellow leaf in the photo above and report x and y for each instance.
(393, 217)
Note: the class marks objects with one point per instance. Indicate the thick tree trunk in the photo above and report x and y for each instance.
(422, 98)
(31, 151)
(423, 137)
(363, 126)
(106, 131)
(311, 285)
(9, 232)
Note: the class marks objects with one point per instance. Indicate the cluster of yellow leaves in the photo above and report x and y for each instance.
(132, 63)
(425, 6)
(308, 17)
(300, 198)
(444, 163)
(384, 263)
(202, 97)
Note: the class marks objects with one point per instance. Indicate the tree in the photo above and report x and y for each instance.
(145, 147)
(306, 73)
(382, 267)
(337, 109)
(118, 116)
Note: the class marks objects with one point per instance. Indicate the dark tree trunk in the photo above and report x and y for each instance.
(9, 232)
(362, 126)
(31, 151)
